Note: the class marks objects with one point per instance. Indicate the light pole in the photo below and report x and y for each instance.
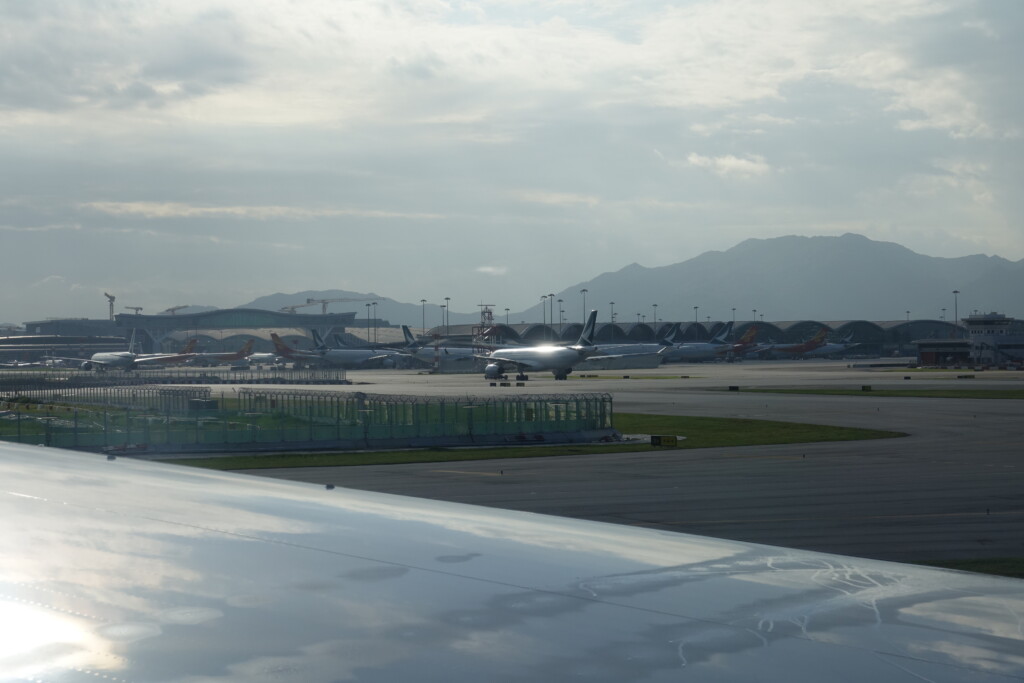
(943, 314)
(734, 315)
(584, 293)
(551, 302)
(655, 316)
(695, 313)
(443, 311)
(423, 308)
(367, 323)
(908, 316)
(559, 317)
(638, 318)
(956, 310)
(611, 306)
(506, 317)
(447, 315)
(374, 304)
(754, 318)
(544, 314)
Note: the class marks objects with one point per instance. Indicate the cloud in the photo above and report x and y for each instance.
(493, 270)
(731, 166)
(556, 198)
(41, 228)
(263, 213)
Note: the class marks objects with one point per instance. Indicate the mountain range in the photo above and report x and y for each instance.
(783, 278)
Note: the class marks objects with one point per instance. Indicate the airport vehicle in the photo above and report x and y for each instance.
(790, 350)
(125, 570)
(265, 359)
(558, 359)
(329, 357)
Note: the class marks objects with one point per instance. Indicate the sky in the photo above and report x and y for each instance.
(212, 152)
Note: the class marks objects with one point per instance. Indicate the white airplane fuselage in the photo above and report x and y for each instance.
(557, 359)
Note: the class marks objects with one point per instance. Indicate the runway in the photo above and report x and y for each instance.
(952, 489)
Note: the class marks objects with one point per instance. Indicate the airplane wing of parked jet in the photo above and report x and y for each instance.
(122, 570)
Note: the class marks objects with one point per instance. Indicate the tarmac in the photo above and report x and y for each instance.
(953, 488)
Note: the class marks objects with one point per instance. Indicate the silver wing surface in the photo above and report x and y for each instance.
(122, 570)
(520, 365)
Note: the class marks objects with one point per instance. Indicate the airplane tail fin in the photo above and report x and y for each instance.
(670, 337)
(725, 331)
(410, 341)
(280, 348)
(339, 342)
(749, 335)
(318, 341)
(190, 346)
(587, 335)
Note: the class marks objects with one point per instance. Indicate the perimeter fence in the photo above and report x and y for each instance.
(185, 419)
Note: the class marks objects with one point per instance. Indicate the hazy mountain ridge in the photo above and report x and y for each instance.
(784, 278)
(793, 278)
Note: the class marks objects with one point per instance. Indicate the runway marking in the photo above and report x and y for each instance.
(479, 474)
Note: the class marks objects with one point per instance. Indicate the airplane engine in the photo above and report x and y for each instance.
(493, 371)
(86, 366)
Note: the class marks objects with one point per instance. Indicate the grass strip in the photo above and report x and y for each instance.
(700, 432)
(903, 393)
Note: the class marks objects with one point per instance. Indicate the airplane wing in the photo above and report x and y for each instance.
(122, 570)
(520, 365)
(163, 359)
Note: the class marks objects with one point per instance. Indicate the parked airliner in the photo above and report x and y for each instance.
(338, 358)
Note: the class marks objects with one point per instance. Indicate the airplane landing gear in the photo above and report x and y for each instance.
(521, 377)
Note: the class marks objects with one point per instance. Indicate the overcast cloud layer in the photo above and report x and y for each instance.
(211, 152)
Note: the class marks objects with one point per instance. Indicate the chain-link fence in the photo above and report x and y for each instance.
(175, 419)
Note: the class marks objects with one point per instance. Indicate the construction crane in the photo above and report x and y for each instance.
(110, 300)
(172, 309)
(133, 308)
(324, 302)
(292, 308)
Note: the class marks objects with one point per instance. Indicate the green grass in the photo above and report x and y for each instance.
(712, 432)
(700, 432)
(907, 393)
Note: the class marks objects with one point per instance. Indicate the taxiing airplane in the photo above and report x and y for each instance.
(330, 357)
(123, 570)
(558, 359)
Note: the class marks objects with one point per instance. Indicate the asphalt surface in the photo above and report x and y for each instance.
(952, 489)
